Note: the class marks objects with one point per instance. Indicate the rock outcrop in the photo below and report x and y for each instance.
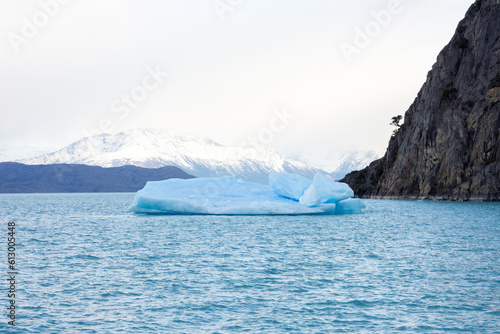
(449, 145)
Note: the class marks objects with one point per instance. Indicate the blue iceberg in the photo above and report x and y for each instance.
(286, 194)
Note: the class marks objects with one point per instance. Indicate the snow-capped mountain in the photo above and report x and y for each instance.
(351, 161)
(338, 165)
(197, 156)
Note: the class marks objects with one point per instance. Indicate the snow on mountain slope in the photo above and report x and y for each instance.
(157, 148)
(351, 161)
(338, 165)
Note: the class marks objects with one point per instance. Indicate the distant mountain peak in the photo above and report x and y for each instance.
(340, 164)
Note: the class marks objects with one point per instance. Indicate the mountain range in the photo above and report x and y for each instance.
(61, 178)
(149, 148)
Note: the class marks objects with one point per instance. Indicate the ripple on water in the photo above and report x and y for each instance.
(403, 266)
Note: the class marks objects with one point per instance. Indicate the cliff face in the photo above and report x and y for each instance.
(449, 145)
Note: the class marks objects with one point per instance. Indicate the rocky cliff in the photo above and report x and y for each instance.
(448, 147)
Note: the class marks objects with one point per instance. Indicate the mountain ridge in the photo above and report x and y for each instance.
(62, 178)
(337, 165)
(197, 156)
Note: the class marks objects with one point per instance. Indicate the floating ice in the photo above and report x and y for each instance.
(287, 194)
(311, 197)
(331, 191)
(289, 185)
(350, 205)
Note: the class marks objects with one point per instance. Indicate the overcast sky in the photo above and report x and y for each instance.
(334, 71)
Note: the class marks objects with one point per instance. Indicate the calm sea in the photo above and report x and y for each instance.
(85, 265)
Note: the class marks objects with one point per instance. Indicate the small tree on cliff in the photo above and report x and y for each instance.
(395, 122)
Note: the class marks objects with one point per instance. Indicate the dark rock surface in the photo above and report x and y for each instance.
(449, 145)
(62, 178)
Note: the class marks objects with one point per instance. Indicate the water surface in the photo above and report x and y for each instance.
(87, 266)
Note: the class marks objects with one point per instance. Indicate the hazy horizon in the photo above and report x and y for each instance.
(308, 79)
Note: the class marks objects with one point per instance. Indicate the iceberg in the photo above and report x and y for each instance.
(286, 194)
(311, 197)
(350, 205)
(331, 191)
(289, 185)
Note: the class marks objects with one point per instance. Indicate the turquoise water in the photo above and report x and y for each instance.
(87, 266)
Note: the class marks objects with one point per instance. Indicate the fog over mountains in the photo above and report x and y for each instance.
(338, 165)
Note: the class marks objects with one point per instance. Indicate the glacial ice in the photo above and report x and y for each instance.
(350, 205)
(287, 194)
(311, 197)
(289, 185)
(331, 191)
